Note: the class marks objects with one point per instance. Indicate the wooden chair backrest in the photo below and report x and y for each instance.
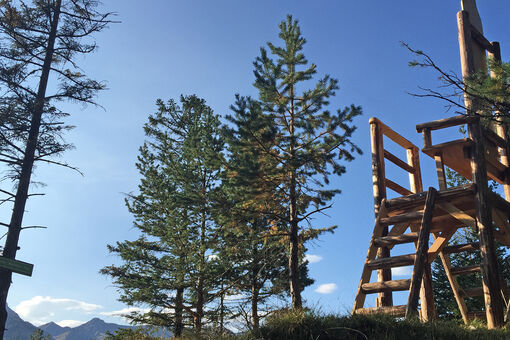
(379, 156)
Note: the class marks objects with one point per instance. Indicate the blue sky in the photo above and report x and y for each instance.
(164, 48)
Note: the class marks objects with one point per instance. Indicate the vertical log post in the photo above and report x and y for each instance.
(489, 266)
(421, 259)
(466, 52)
(501, 130)
(378, 176)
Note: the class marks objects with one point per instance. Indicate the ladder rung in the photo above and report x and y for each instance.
(412, 216)
(392, 240)
(480, 314)
(466, 270)
(390, 310)
(393, 285)
(458, 248)
(471, 292)
(391, 262)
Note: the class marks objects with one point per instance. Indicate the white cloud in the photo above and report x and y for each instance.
(124, 311)
(313, 258)
(402, 271)
(70, 323)
(42, 309)
(326, 288)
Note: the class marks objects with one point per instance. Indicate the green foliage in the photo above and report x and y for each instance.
(39, 335)
(309, 141)
(311, 325)
(166, 267)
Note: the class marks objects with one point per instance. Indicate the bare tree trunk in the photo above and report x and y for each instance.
(255, 320)
(11, 243)
(179, 301)
(295, 291)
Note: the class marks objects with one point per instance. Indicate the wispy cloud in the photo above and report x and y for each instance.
(124, 311)
(313, 258)
(326, 288)
(402, 271)
(42, 309)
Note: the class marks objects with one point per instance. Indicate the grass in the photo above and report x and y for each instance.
(310, 325)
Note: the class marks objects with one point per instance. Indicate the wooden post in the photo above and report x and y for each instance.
(501, 130)
(466, 52)
(378, 176)
(421, 258)
(489, 266)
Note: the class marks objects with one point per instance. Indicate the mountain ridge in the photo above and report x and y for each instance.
(19, 329)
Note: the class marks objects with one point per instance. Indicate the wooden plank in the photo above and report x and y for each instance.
(398, 162)
(397, 188)
(465, 270)
(390, 310)
(418, 200)
(359, 301)
(392, 262)
(409, 217)
(421, 260)
(472, 292)
(459, 248)
(446, 122)
(393, 285)
(399, 239)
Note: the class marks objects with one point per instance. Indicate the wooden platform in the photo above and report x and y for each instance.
(457, 156)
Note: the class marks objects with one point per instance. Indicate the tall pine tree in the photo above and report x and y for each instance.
(166, 269)
(309, 143)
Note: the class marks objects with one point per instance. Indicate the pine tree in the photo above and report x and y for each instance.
(251, 236)
(38, 40)
(309, 142)
(167, 268)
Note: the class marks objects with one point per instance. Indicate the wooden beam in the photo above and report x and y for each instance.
(389, 310)
(439, 243)
(417, 200)
(415, 180)
(398, 162)
(394, 136)
(466, 270)
(420, 260)
(379, 188)
(409, 217)
(399, 239)
(489, 266)
(446, 122)
(397, 188)
(392, 262)
(393, 285)
(459, 248)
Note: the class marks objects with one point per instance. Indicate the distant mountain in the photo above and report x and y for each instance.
(18, 329)
(53, 329)
(94, 329)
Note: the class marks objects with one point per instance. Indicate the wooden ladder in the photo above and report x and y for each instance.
(416, 285)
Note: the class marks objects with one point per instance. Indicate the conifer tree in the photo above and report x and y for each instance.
(166, 269)
(251, 235)
(38, 39)
(309, 143)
